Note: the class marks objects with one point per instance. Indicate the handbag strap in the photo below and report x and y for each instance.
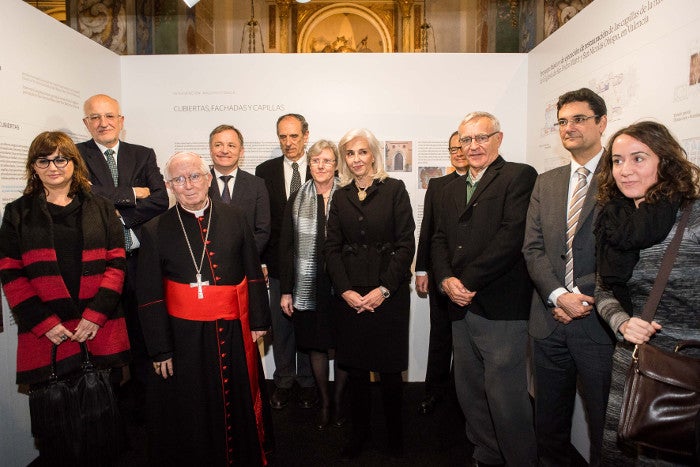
(54, 350)
(665, 269)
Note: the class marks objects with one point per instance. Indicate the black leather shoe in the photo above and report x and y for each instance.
(280, 398)
(427, 405)
(324, 417)
(308, 398)
(339, 420)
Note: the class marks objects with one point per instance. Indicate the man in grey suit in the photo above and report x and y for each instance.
(237, 187)
(570, 340)
(128, 175)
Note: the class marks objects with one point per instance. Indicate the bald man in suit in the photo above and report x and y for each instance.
(128, 175)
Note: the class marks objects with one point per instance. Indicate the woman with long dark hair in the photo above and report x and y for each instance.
(646, 182)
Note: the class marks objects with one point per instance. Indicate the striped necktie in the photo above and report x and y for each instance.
(296, 179)
(112, 164)
(575, 206)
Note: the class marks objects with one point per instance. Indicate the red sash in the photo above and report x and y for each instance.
(221, 302)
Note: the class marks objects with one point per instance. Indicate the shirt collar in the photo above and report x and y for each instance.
(233, 174)
(104, 148)
(591, 165)
(301, 161)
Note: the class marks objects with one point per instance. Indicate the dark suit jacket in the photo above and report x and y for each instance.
(370, 243)
(137, 166)
(249, 195)
(272, 172)
(545, 251)
(431, 210)
(480, 243)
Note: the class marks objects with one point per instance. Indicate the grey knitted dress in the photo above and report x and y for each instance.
(679, 315)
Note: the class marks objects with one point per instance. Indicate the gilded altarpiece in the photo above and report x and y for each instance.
(342, 27)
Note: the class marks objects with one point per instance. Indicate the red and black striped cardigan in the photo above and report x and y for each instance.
(38, 296)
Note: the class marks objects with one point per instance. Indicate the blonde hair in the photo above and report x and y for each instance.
(344, 172)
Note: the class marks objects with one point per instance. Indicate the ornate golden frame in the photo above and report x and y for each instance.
(380, 17)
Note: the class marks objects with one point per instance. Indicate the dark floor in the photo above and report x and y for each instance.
(436, 439)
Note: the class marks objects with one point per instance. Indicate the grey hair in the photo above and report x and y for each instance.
(181, 155)
(479, 115)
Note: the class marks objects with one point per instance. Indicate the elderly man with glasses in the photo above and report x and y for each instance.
(203, 306)
(478, 264)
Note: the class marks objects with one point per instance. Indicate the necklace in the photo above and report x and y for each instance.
(199, 284)
(361, 192)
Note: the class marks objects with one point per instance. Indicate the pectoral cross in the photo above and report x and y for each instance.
(199, 284)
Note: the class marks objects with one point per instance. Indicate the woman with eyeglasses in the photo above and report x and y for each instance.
(369, 249)
(304, 282)
(62, 267)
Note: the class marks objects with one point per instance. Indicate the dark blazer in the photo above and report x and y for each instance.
(431, 209)
(545, 251)
(272, 172)
(249, 195)
(480, 243)
(372, 243)
(137, 166)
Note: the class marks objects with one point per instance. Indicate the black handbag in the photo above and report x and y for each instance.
(75, 418)
(661, 398)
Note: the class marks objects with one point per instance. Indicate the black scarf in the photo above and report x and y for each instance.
(621, 232)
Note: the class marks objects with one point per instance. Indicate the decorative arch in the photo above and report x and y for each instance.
(344, 27)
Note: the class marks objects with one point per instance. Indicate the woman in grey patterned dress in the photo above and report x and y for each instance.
(645, 183)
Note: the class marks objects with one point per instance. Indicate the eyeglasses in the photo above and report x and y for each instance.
(60, 162)
(455, 149)
(480, 139)
(194, 178)
(322, 161)
(576, 120)
(95, 118)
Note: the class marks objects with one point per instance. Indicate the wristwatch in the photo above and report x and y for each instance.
(385, 291)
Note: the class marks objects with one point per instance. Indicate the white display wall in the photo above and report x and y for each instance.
(47, 70)
(411, 102)
(636, 53)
